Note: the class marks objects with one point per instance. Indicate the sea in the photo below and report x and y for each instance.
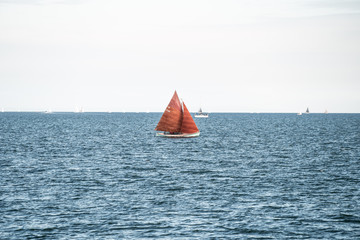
(247, 176)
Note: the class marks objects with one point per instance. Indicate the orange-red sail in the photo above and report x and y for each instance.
(172, 117)
(188, 124)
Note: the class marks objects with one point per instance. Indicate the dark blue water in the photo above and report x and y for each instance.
(248, 176)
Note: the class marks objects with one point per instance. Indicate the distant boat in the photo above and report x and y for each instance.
(307, 111)
(48, 111)
(326, 111)
(2, 110)
(79, 110)
(201, 114)
(176, 121)
(300, 113)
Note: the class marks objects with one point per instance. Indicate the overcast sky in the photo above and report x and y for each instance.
(222, 55)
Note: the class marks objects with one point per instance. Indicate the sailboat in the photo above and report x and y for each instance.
(201, 114)
(326, 111)
(79, 110)
(48, 111)
(176, 121)
(307, 111)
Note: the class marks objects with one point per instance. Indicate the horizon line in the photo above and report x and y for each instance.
(253, 112)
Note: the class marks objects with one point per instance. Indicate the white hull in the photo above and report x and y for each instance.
(48, 111)
(180, 135)
(201, 116)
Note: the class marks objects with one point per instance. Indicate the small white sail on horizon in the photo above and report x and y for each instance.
(79, 110)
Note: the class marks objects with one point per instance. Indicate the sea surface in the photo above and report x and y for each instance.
(248, 176)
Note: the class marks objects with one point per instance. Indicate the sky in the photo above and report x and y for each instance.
(221, 55)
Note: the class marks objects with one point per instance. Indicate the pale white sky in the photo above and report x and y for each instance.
(223, 55)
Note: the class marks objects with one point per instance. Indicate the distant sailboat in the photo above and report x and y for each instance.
(307, 111)
(326, 111)
(48, 111)
(2, 110)
(79, 110)
(300, 113)
(201, 114)
(176, 121)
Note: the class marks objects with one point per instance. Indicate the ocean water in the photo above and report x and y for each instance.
(248, 176)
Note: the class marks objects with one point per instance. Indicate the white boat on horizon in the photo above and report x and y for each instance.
(48, 111)
(201, 114)
(79, 110)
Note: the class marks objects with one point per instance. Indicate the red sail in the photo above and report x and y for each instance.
(172, 116)
(188, 124)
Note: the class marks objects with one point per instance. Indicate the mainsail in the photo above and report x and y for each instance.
(172, 117)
